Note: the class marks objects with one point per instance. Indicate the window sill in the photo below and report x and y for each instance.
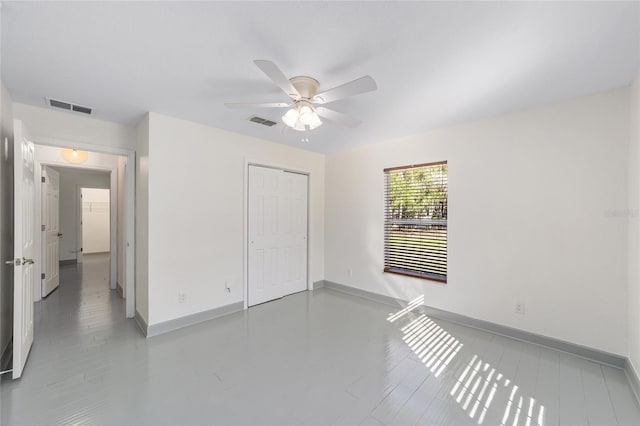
(416, 275)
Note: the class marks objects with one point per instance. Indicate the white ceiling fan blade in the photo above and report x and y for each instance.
(273, 72)
(257, 105)
(337, 117)
(361, 85)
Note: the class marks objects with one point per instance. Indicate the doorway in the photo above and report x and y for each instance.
(277, 218)
(95, 226)
(62, 213)
(29, 248)
(95, 170)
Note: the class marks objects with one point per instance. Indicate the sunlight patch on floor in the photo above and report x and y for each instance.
(478, 386)
(430, 342)
(479, 383)
(418, 301)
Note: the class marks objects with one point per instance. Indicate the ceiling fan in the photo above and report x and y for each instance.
(304, 113)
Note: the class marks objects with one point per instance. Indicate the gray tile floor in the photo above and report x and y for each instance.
(310, 358)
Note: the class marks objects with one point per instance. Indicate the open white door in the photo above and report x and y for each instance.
(277, 246)
(79, 235)
(24, 248)
(51, 234)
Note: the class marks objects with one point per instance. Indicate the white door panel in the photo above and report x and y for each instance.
(277, 247)
(264, 234)
(295, 238)
(51, 234)
(24, 247)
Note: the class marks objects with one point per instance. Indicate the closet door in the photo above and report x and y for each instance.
(293, 240)
(277, 237)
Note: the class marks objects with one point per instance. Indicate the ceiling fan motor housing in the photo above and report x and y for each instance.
(307, 87)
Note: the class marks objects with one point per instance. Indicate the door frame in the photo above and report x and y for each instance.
(245, 223)
(129, 206)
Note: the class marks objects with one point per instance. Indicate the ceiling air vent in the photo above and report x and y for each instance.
(69, 106)
(263, 121)
(60, 104)
(82, 109)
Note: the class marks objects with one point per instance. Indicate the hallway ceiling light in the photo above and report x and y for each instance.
(75, 156)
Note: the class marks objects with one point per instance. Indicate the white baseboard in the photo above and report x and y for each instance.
(175, 324)
(634, 379)
(525, 336)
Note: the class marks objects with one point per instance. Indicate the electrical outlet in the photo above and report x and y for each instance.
(182, 297)
(350, 272)
(227, 288)
(520, 308)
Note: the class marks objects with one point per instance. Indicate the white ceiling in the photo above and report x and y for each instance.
(435, 63)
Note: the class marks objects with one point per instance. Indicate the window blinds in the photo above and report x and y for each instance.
(415, 221)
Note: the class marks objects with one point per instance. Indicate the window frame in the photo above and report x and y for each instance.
(408, 273)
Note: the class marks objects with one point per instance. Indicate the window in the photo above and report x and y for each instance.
(415, 222)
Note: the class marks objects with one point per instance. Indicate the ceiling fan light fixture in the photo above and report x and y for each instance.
(303, 117)
(308, 117)
(291, 118)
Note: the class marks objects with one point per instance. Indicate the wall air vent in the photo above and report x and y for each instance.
(69, 106)
(263, 121)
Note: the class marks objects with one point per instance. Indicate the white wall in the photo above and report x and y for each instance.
(533, 202)
(6, 217)
(96, 229)
(196, 207)
(48, 123)
(142, 219)
(634, 227)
